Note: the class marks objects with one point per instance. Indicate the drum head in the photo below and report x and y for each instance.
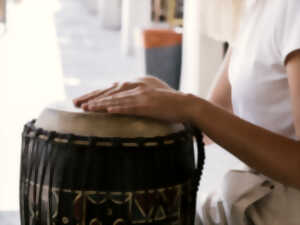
(63, 117)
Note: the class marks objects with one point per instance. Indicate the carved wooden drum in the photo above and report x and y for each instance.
(96, 169)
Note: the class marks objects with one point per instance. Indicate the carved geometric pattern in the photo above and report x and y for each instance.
(110, 208)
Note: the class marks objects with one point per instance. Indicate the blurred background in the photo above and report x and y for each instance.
(52, 50)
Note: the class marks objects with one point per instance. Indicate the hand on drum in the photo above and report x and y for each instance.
(148, 81)
(148, 97)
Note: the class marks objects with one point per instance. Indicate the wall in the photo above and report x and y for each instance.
(202, 56)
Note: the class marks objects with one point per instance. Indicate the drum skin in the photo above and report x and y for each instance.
(88, 180)
(63, 117)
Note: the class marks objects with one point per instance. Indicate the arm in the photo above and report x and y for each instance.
(276, 156)
(220, 94)
(221, 91)
(273, 155)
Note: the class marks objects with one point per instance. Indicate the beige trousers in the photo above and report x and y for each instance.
(248, 198)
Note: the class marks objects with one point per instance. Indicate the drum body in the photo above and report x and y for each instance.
(88, 180)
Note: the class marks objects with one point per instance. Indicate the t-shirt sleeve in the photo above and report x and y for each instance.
(290, 28)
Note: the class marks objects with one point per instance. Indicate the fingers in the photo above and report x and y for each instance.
(85, 98)
(124, 87)
(158, 103)
(114, 89)
(102, 104)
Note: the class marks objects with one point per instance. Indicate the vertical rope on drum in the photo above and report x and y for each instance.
(157, 198)
(37, 162)
(23, 146)
(172, 157)
(45, 152)
(117, 146)
(73, 169)
(122, 162)
(160, 157)
(28, 181)
(70, 139)
(52, 160)
(142, 152)
(200, 163)
(28, 165)
(27, 187)
(201, 156)
(32, 152)
(155, 157)
(84, 179)
(23, 172)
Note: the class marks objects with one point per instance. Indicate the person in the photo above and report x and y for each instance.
(253, 112)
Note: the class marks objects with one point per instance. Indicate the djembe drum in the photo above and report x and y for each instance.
(96, 169)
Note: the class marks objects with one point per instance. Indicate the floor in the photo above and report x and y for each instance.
(90, 55)
(9, 218)
(55, 49)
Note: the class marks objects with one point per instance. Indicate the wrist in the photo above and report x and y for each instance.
(193, 107)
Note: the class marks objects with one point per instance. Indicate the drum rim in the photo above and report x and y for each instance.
(31, 131)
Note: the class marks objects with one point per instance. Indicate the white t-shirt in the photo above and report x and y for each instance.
(260, 92)
(270, 30)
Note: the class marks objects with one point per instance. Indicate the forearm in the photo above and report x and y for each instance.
(275, 156)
